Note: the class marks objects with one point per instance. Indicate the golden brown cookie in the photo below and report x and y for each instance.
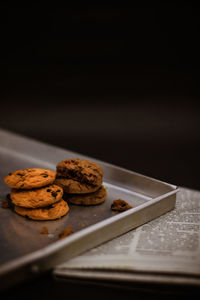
(89, 199)
(52, 212)
(35, 198)
(80, 170)
(30, 178)
(74, 187)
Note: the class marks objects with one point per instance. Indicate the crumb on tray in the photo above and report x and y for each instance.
(120, 205)
(44, 230)
(65, 232)
(7, 202)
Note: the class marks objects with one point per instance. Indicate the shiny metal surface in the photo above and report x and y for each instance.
(25, 252)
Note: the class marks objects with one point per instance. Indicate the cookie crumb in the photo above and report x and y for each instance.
(44, 230)
(5, 204)
(120, 205)
(65, 232)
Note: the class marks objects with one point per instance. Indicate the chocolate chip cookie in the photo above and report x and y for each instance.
(88, 199)
(39, 197)
(82, 171)
(52, 212)
(30, 178)
(74, 187)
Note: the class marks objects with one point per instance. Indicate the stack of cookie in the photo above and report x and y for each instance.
(34, 194)
(81, 180)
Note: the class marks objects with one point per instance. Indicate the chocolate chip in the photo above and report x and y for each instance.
(72, 173)
(19, 174)
(44, 175)
(48, 190)
(57, 191)
(54, 194)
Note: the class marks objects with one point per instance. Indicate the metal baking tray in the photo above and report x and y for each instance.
(25, 252)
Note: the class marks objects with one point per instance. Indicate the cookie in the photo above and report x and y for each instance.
(35, 198)
(52, 212)
(30, 178)
(80, 170)
(74, 187)
(88, 199)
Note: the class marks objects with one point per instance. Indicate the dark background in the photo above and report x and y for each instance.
(118, 84)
